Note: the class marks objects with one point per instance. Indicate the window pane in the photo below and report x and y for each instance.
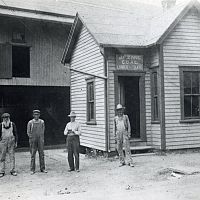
(155, 83)
(195, 106)
(90, 91)
(187, 106)
(187, 82)
(195, 83)
(91, 111)
(155, 108)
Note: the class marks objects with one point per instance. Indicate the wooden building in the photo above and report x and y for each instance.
(149, 62)
(31, 75)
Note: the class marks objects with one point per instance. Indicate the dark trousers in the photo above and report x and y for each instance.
(73, 143)
(37, 144)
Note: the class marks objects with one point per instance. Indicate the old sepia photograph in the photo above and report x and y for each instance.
(99, 99)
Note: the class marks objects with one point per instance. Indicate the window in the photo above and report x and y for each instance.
(90, 102)
(190, 92)
(154, 96)
(21, 61)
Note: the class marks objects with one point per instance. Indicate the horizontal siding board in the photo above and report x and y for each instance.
(182, 47)
(87, 58)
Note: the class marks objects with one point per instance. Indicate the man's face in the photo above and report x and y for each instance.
(6, 119)
(120, 112)
(36, 116)
(72, 119)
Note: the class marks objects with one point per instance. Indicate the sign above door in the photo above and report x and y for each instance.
(129, 62)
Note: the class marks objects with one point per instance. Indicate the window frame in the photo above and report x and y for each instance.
(89, 121)
(183, 69)
(153, 118)
(29, 57)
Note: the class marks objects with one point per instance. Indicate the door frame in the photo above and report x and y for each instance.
(141, 76)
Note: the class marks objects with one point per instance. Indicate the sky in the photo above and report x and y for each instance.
(156, 2)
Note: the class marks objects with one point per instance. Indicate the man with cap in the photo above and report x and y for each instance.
(35, 132)
(122, 133)
(8, 143)
(73, 131)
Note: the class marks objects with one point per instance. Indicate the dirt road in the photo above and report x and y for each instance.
(101, 178)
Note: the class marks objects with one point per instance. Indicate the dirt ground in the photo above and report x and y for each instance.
(101, 178)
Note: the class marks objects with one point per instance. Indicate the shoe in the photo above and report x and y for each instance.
(13, 173)
(77, 170)
(121, 164)
(70, 170)
(32, 172)
(2, 175)
(131, 165)
(43, 171)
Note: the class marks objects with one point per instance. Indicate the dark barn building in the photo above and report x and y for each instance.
(32, 39)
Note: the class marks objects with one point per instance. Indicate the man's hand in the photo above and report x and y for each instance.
(16, 145)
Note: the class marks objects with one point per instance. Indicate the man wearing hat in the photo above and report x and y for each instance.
(73, 131)
(35, 132)
(122, 133)
(8, 142)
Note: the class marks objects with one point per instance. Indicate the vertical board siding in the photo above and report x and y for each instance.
(46, 41)
(182, 47)
(87, 57)
(152, 130)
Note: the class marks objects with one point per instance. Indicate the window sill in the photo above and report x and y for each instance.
(155, 122)
(91, 123)
(190, 121)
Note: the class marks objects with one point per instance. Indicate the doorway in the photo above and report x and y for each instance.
(130, 93)
(53, 102)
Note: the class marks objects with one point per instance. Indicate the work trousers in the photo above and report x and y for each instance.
(7, 145)
(37, 144)
(123, 142)
(73, 143)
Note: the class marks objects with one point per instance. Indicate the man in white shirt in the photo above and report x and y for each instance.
(73, 131)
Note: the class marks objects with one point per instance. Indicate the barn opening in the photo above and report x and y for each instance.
(53, 103)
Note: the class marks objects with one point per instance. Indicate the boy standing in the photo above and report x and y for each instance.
(35, 132)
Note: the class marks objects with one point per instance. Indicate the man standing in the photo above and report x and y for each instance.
(8, 142)
(73, 131)
(35, 132)
(122, 133)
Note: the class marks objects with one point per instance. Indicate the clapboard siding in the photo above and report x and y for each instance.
(182, 47)
(87, 57)
(152, 130)
(46, 41)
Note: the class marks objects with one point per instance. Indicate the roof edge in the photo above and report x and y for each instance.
(36, 11)
(75, 30)
(177, 20)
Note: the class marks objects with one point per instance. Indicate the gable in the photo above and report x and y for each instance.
(188, 28)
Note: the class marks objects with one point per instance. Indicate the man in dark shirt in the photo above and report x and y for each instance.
(8, 143)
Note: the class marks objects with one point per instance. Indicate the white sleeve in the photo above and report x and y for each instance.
(66, 130)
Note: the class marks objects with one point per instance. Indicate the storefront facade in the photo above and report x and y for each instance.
(157, 82)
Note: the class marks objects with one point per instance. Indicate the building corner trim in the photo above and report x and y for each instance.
(162, 98)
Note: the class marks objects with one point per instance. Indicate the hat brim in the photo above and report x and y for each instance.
(120, 108)
(71, 115)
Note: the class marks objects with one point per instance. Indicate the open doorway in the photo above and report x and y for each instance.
(53, 102)
(129, 96)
